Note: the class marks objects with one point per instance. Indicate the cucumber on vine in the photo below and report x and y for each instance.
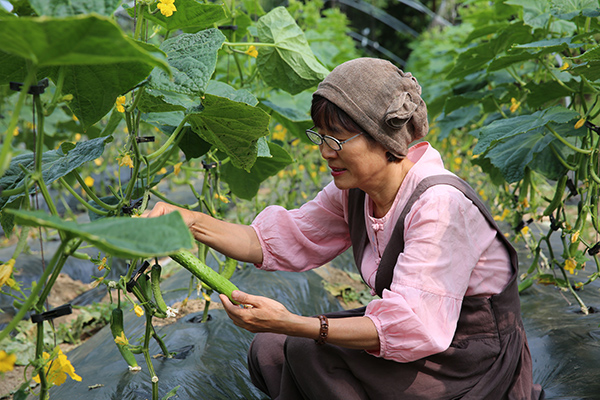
(557, 199)
(203, 272)
(155, 283)
(116, 327)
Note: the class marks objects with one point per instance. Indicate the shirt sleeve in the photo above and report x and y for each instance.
(305, 238)
(445, 235)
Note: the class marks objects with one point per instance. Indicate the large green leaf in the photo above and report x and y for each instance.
(290, 63)
(232, 127)
(505, 128)
(511, 144)
(78, 40)
(477, 57)
(193, 59)
(569, 9)
(538, 13)
(588, 64)
(246, 184)
(96, 87)
(457, 119)
(292, 112)
(224, 90)
(63, 8)
(55, 164)
(189, 14)
(532, 51)
(121, 236)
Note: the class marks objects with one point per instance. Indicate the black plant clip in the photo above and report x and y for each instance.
(595, 249)
(554, 225)
(131, 284)
(144, 139)
(572, 187)
(34, 89)
(523, 224)
(228, 27)
(210, 165)
(593, 127)
(65, 309)
(132, 206)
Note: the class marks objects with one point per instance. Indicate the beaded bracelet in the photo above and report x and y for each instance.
(323, 330)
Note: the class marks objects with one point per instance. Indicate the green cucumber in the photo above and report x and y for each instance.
(204, 273)
(116, 327)
(155, 282)
(557, 199)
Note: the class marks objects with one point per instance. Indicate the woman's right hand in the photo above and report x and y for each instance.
(234, 240)
(160, 208)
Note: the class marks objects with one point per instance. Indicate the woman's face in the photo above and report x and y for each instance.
(360, 164)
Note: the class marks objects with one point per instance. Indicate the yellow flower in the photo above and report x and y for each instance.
(525, 230)
(457, 160)
(323, 168)
(166, 7)
(98, 161)
(252, 52)
(222, 198)
(564, 66)
(89, 181)
(120, 103)
(514, 105)
(206, 296)
(97, 282)
(77, 137)
(56, 370)
(6, 270)
(7, 361)
(139, 311)
(279, 132)
(570, 265)
(16, 131)
(162, 171)
(125, 160)
(75, 118)
(575, 237)
(301, 167)
(503, 216)
(122, 339)
(177, 168)
(102, 264)
(580, 123)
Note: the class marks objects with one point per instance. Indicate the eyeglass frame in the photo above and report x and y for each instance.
(323, 137)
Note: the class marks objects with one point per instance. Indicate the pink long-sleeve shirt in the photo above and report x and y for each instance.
(450, 252)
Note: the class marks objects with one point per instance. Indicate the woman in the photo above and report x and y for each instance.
(448, 322)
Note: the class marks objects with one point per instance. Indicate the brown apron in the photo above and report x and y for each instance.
(488, 358)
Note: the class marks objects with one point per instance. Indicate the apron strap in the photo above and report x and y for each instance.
(385, 271)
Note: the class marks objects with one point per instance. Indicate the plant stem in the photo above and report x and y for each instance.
(34, 292)
(566, 143)
(81, 199)
(39, 351)
(5, 153)
(169, 141)
(146, 352)
(91, 192)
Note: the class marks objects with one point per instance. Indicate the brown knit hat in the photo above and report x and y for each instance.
(381, 98)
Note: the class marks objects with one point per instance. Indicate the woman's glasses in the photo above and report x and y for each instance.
(330, 141)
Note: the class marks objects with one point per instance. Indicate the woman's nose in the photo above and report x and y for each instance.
(327, 152)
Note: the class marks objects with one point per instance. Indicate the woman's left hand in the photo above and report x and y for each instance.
(258, 313)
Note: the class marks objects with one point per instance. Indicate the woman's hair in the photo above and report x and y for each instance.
(330, 117)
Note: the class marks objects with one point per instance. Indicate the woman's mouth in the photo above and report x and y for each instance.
(337, 171)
